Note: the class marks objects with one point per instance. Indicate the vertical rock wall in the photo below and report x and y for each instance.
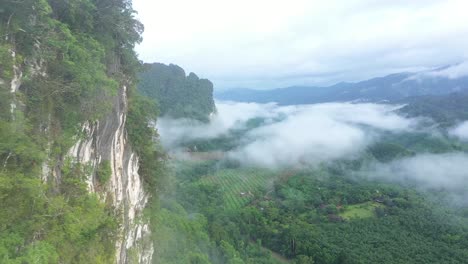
(107, 140)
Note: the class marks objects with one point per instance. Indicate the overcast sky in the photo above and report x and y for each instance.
(269, 44)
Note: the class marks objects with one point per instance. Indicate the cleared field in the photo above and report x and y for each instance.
(363, 210)
(239, 185)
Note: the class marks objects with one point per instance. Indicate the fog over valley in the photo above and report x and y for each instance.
(288, 135)
(233, 132)
(279, 137)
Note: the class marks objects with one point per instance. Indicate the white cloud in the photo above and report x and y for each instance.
(460, 131)
(230, 116)
(453, 72)
(292, 134)
(441, 171)
(312, 134)
(318, 133)
(274, 43)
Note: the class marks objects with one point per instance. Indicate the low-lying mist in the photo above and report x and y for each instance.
(317, 133)
(309, 135)
(229, 116)
(291, 135)
(428, 171)
(460, 131)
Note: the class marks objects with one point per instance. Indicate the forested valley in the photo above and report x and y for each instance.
(107, 159)
(356, 208)
(218, 211)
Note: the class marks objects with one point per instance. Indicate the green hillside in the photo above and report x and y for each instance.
(178, 95)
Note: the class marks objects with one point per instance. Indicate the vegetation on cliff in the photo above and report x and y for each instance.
(61, 63)
(178, 95)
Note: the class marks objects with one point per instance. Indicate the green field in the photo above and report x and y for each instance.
(362, 210)
(239, 185)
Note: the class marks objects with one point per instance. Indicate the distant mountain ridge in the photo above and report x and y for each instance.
(393, 87)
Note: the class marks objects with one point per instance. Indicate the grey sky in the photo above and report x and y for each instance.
(269, 44)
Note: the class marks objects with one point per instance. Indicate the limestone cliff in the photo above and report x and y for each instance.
(66, 71)
(101, 140)
(107, 140)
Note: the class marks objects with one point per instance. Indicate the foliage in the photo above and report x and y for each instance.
(192, 225)
(362, 210)
(182, 237)
(6, 69)
(104, 172)
(178, 95)
(385, 152)
(330, 213)
(140, 127)
(73, 56)
(239, 186)
(72, 227)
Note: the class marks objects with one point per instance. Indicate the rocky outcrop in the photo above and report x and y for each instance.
(15, 83)
(107, 140)
(103, 140)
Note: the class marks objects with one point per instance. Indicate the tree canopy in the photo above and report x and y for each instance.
(178, 95)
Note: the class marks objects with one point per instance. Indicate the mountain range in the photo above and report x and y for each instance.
(393, 87)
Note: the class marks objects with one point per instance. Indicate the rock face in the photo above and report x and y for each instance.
(103, 140)
(107, 140)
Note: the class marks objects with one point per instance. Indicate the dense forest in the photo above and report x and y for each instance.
(334, 212)
(62, 64)
(68, 70)
(177, 95)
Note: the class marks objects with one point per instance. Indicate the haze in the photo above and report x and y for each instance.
(310, 135)
(290, 135)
